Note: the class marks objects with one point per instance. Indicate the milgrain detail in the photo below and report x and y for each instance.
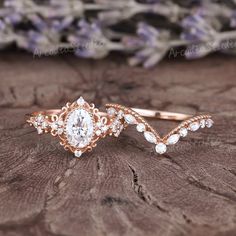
(131, 117)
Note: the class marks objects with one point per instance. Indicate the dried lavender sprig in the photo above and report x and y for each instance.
(157, 43)
(148, 51)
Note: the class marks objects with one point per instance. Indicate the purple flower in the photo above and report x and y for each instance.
(200, 34)
(2, 25)
(55, 25)
(154, 45)
(197, 28)
(35, 42)
(13, 18)
(233, 20)
(90, 41)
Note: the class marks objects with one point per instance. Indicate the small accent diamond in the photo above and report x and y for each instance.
(104, 129)
(98, 132)
(111, 111)
(44, 125)
(60, 131)
(183, 132)
(39, 130)
(209, 123)
(120, 114)
(160, 148)
(54, 125)
(173, 139)
(194, 126)
(202, 123)
(140, 127)
(150, 137)
(80, 101)
(60, 123)
(78, 153)
(130, 119)
(40, 118)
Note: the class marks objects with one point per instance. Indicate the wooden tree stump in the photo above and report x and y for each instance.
(122, 187)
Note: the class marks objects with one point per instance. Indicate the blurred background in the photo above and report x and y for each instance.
(143, 31)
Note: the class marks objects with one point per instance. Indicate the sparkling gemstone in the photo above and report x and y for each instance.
(60, 123)
(117, 133)
(39, 130)
(140, 127)
(160, 148)
(80, 101)
(150, 137)
(78, 153)
(202, 123)
(40, 118)
(194, 126)
(183, 132)
(209, 123)
(173, 139)
(98, 132)
(79, 128)
(54, 126)
(130, 119)
(44, 125)
(104, 129)
(120, 114)
(111, 111)
(99, 124)
(60, 131)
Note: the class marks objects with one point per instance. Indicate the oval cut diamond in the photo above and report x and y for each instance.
(79, 128)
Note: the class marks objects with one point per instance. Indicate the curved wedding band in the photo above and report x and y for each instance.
(79, 125)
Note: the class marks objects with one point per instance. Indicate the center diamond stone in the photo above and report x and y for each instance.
(79, 128)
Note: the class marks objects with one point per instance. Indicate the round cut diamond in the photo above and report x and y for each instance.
(111, 111)
(160, 148)
(209, 123)
(39, 130)
(54, 126)
(98, 132)
(78, 153)
(79, 128)
(202, 123)
(183, 132)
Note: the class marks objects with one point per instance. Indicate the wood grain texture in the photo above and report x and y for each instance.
(122, 187)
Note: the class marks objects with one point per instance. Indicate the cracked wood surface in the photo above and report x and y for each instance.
(122, 187)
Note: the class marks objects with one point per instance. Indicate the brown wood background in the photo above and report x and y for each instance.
(122, 187)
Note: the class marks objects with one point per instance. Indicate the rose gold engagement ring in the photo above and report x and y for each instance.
(79, 125)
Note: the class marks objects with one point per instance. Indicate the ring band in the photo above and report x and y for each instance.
(79, 125)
